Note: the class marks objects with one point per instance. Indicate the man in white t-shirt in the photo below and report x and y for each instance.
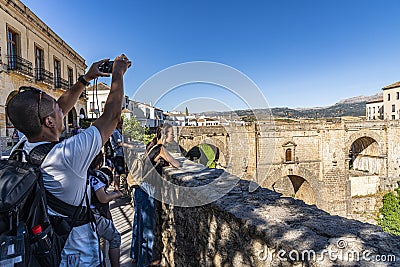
(40, 118)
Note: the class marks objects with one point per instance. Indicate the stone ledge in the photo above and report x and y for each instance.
(238, 228)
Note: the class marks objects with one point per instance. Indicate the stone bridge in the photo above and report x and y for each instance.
(334, 165)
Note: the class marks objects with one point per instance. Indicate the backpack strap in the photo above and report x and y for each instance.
(36, 157)
(88, 215)
(66, 209)
(153, 147)
(19, 152)
(39, 153)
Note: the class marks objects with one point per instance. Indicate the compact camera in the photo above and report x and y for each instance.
(106, 66)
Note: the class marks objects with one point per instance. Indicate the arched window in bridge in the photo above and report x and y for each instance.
(288, 155)
(289, 152)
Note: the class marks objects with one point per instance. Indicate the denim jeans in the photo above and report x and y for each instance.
(144, 221)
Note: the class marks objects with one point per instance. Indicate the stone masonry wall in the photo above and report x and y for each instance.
(320, 153)
(263, 229)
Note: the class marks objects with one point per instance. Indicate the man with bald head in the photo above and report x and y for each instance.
(40, 118)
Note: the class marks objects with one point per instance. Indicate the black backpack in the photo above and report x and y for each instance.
(23, 205)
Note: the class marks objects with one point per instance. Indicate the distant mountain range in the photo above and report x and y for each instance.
(354, 106)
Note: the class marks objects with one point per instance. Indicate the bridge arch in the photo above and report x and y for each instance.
(366, 152)
(194, 150)
(191, 138)
(294, 181)
(365, 135)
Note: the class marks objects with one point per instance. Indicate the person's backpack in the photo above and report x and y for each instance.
(140, 168)
(102, 208)
(23, 206)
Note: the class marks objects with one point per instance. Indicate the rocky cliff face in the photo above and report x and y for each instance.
(362, 98)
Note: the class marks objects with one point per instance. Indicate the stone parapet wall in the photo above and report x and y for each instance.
(261, 228)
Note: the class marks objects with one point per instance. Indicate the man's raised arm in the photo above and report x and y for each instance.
(68, 99)
(107, 122)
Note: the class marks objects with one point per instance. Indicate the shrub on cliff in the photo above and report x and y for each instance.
(389, 218)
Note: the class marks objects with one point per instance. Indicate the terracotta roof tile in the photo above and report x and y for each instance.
(393, 85)
(375, 101)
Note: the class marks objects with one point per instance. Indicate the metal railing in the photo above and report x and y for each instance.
(61, 83)
(42, 75)
(19, 64)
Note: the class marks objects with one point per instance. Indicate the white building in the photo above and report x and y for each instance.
(192, 122)
(176, 118)
(147, 114)
(97, 99)
(387, 108)
(204, 121)
(375, 109)
(391, 101)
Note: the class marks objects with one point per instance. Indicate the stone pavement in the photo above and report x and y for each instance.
(122, 213)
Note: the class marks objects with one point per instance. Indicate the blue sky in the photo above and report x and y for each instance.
(301, 53)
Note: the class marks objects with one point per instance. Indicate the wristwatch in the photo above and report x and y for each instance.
(83, 81)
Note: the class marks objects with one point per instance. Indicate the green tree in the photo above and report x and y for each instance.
(389, 219)
(148, 136)
(187, 111)
(133, 129)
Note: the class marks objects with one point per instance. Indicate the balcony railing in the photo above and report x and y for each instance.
(61, 83)
(42, 75)
(84, 94)
(19, 64)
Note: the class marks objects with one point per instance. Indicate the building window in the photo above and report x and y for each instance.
(39, 62)
(91, 106)
(393, 117)
(12, 47)
(103, 103)
(13, 43)
(57, 73)
(393, 108)
(39, 59)
(388, 97)
(374, 109)
(289, 154)
(70, 77)
(397, 95)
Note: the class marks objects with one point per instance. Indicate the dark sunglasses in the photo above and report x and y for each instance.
(40, 93)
